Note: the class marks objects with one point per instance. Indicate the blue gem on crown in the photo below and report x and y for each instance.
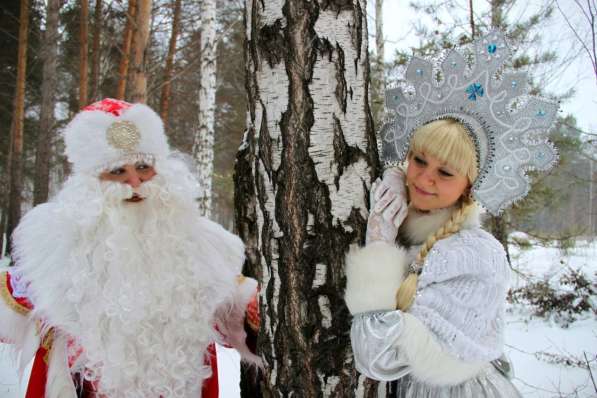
(492, 48)
(473, 90)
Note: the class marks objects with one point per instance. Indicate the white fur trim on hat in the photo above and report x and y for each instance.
(87, 145)
(373, 275)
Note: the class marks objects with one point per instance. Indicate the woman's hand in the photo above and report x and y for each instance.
(388, 207)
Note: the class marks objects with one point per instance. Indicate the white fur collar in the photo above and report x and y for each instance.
(418, 225)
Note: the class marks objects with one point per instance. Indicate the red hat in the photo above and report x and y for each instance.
(110, 133)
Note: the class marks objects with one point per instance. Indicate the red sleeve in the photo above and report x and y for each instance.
(20, 304)
(210, 386)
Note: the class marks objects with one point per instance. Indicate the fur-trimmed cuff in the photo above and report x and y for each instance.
(13, 315)
(230, 320)
(373, 275)
(430, 363)
(59, 383)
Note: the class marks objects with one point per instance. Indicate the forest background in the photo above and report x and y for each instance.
(194, 62)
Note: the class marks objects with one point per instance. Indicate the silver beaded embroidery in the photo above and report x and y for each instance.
(492, 104)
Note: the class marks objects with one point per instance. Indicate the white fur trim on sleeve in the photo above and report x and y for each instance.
(429, 362)
(373, 275)
(12, 322)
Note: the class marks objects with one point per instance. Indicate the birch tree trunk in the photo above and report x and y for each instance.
(203, 144)
(165, 97)
(123, 68)
(83, 54)
(301, 186)
(95, 55)
(48, 102)
(380, 80)
(141, 38)
(16, 153)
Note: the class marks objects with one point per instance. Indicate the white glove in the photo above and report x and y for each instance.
(388, 207)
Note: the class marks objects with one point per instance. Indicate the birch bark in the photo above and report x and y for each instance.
(165, 97)
(301, 183)
(203, 144)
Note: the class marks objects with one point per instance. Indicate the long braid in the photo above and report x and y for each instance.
(406, 293)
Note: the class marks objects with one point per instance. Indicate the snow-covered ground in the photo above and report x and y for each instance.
(532, 344)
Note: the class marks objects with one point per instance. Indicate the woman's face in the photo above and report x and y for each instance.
(432, 184)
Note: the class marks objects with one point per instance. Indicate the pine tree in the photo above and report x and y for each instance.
(16, 154)
(140, 40)
(83, 54)
(48, 104)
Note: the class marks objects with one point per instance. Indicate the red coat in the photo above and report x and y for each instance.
(37, 381)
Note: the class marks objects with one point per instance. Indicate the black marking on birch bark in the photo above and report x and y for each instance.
(292, 194)
(265, 144)
(340, 79)
(344, 154)
(252, 62)
(244, 203)
(358, 35)
(337, 5)
(270, 42)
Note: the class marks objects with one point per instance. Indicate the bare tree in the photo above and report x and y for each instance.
(165, 97)
(140, 40)
(48, 102)
(203, 145)
(471, 18)
(379, 82)
(16, 153)
(301, 184)
(83, 54)
(588, 44)
(123, 68)
(95, 54)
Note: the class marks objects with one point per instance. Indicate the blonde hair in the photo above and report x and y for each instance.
(448, 141)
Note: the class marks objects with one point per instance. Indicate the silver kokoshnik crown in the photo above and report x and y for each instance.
(509, 127)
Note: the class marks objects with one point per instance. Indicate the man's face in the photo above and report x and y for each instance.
(130, 174)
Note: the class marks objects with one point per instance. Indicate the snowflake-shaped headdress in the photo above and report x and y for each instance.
(507, 125)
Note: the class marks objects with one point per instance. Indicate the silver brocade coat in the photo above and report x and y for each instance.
(445, 344)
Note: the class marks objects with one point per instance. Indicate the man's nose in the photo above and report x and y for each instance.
(134, 179)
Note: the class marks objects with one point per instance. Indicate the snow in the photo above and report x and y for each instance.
(531, 342)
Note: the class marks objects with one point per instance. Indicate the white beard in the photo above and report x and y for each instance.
(138, 283)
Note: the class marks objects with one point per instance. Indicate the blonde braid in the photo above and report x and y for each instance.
(406, 293)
